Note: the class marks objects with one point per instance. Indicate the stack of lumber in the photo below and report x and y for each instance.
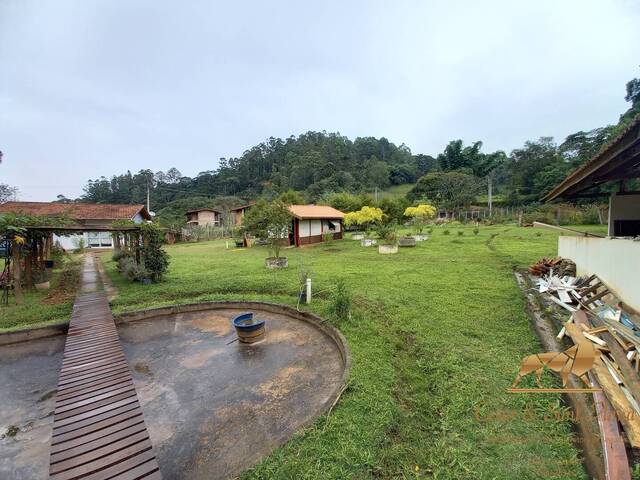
(601, 318)
(562, 290)
(562, 266)
(573, 293)
(615, 369)
(542, 266)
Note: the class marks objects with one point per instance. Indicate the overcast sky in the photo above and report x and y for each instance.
(91, 88)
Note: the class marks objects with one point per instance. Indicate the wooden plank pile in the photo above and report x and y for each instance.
(562, 267)
(599, 317)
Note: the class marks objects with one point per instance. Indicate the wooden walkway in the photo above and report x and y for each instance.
(98, 427)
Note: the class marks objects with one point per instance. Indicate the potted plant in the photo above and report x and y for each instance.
(407, 241)
(271, 222)
(388, 239)
(365, 217)
(41, 280)
(420, 215)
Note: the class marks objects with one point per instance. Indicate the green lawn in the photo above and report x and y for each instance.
(436, 337)
(44, 308)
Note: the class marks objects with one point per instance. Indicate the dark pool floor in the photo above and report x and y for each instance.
(28, 381)
(213, 406)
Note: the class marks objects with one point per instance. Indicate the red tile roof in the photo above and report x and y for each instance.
(242, 207)
(315, 211)
(78, 211)
(202, 210)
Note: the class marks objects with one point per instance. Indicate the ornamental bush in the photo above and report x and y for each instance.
(365, 217)
(153, 257)
(420, 215)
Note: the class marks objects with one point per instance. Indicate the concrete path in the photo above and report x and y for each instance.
(98, 426)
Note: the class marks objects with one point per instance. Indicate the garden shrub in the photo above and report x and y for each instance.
(341, 304)
(476, 230)
(460, 233)
(58, 253)
(446, 231)
(118, 254)
(134, 272)
(388, 233)
(124, 263)
(153, 256)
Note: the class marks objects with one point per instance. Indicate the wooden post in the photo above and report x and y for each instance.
(136, 245)
(17, 272)
(48, 244)
(28, 270)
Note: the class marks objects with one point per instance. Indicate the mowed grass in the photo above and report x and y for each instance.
(44, 308)
(436, 337)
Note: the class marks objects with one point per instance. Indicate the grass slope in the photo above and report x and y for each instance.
(437, 335)
(395, 191)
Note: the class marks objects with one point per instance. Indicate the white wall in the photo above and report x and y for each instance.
(615, 260)
(68, 242)
(316, 227)
(309, 228)
(623, 207)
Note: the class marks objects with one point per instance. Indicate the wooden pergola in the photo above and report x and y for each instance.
(36, 245)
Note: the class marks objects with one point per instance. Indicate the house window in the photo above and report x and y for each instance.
(99, 239)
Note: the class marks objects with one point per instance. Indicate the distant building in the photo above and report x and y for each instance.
(616, 258)
(204, 217)
(85, 215)
(312, 222)
(237, 214)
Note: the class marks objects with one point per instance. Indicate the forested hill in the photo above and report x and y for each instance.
(319, 163)
(314, 162)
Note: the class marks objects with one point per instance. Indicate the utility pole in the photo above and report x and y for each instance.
(490, 194)
(376, 194)
(148, 200)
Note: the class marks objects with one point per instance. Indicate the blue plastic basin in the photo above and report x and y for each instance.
(246, 323)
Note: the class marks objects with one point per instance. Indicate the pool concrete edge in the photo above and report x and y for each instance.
(26, 334)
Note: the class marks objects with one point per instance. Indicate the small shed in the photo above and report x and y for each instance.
(311, 223)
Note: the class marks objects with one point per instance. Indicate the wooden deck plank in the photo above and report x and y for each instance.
(97, 434)
(98, 426)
